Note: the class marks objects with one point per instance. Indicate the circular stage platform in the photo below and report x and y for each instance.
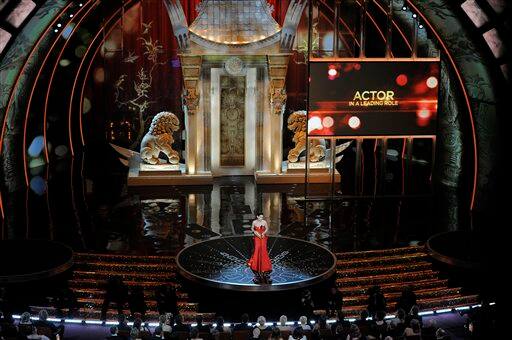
(222, 263)
(28, 260)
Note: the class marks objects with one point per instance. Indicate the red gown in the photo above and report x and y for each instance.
(260, 261)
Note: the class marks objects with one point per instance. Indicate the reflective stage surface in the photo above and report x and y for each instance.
(222, 263)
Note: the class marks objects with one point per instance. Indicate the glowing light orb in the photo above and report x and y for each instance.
(354, 122)
(332, 72)
(432, 82)
(314, 123)
(423, 113)
(327, 122)
(401, 80)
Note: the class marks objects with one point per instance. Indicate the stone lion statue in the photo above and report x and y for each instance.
(159, 139)
(297, 122)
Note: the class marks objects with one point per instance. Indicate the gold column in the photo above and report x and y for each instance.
(191, 69)
(277, 68)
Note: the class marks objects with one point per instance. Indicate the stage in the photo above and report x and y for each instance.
(222, 263)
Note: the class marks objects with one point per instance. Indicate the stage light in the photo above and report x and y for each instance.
(401, 80)
(415, 15)
(332, 73)
(56, 30)
(420, 26)
(80, 4)
(328, 122)
(424, 113)
(314, 123)
(71, 15)
(404, 8)
(354, 122)
(432, 82)
(59, 25)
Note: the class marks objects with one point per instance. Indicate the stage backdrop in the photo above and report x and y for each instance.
(373, 98)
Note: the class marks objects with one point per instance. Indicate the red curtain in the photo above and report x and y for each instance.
(189, 7)
(280, 7)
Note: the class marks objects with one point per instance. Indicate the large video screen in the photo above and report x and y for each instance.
(373, 98)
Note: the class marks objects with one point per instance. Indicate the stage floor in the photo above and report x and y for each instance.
(222, 263)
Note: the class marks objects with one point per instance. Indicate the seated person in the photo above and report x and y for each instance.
(414, 328)
(34, 335)
(282, 324)
(298, 334)
(123, 325)
(244, 324)
(303, 323)
(261, 324)
(276, 334)
(113, 333)
(180, 326)
(43, 322)
(219, 327)
(200, 326)
(194, 334)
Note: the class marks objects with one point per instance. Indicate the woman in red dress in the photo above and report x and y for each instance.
(260, 261)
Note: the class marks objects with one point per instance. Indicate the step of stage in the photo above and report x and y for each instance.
(132, 276)
(395, 288)
(95, 314)
(151, 304)
(99, 294)
(381, 261)
(380, 253)
(392, 298)
(383, 279)
(377, 270)
(127, 267)
(425, 305)
(117, 258)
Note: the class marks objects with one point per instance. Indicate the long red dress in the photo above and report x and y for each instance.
(260, 261)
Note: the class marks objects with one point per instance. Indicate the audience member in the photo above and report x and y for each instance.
(43, 322)
(282, 324)
(354, 333)
(334, 302)
(428, 331)
(307, 304)
(200, 327)
(7, 327)
(256, 333)
(400, 321)
(166, 300)
(34, 335)
(376, 301)
(261, 324)
(180, 326)
(116, 292)
(122, 324)
(414, 328)
(298, 334)
(276, 334)
(363, 323)
(414, 315)
(244, 324)
(219, 326)
(135, 334)
(339, 332)
(303, 323)
(379, 328)
(441, 334)
(163, 325)
(113, 333)
(406, 300)
(136, 302)
(194, 334)
(322, 323)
